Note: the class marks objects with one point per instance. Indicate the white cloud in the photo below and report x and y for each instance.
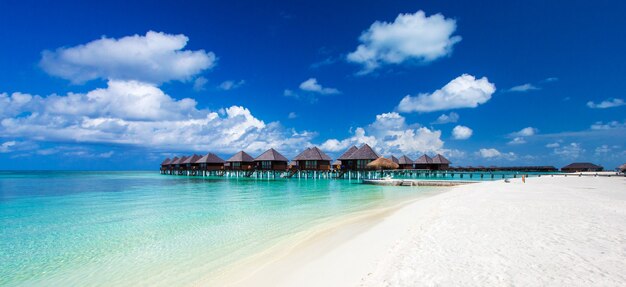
(155, 58)
(200, 83)
(7, 146)
(609, 103)
(573, 150)
(231, 85)
(411, 37)
(492, 153)
(525, 132)
(608, 126)
(135, 113)
(517, 140)
(463, 92)
(603, 149)
(519, 137)
(461, 132)
(489, 152)
(311, 85)
(390, 134)
(449, 118)
(553, 145)
(292, 115)
(524, 88)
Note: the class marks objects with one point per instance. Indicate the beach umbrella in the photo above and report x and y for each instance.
(382, 163)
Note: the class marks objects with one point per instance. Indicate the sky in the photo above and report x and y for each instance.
(118, 85)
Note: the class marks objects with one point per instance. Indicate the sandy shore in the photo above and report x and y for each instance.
(549, 231)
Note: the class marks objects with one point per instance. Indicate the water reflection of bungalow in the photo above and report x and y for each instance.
(312, 159)
(358, 159)
(210, 162)
(271, 160)
(240, 161)
(581, 166)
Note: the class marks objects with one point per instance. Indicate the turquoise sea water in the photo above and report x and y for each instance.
(143, 228)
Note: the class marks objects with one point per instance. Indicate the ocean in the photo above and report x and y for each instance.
(128, 228)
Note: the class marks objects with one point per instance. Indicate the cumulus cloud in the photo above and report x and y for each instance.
(492, 153)
(489, 152)
(411, 37)
(517, 140)
(390, 134)
(231, 85)
(311, 85)
(140, 114)
(461, 132)
(7, 146)
(464, 91)
(553, 145)
(524, 88)
(608, 125)
(573, 150)
(525, 132)
(609, 103)
(519, 137)
(200, 83)
(155, 57)
(449, 118)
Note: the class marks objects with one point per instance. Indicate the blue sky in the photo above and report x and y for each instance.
(98, 85)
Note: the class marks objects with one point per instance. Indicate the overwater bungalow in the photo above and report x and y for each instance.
(359, 159)
(210, 162)
(344, 159)
(336, 165)
(190, 162)
(165, 165)
(581, 166)
(440, 162)
(170, 166)
(423, 162)
(312, 159)
(404, 162)
(240, 161)
(271, 160)
(177, 166)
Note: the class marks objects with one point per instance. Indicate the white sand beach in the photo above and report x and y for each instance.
(555, 231)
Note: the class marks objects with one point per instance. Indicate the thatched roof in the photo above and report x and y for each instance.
(364, 152)
(271, 155)
(581, 165)
(179, 161)
(404, 160)
(210, 158)
(424, 159)
(394, 159)
(313, 153)
(166, 161)
(241, 156)
(382, 163)
(439, 159)
(348, 153)
(191, 159)
(622, 167)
